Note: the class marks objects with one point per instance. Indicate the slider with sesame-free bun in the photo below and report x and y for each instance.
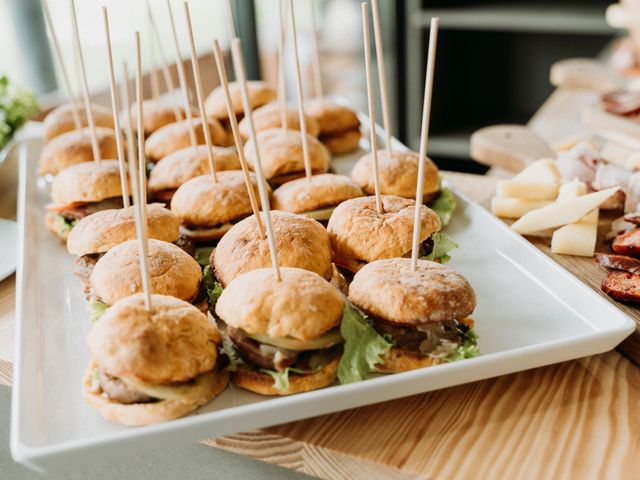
(338, 125)
(259, 94)
(60, 119)
(270, 116)
(158, 112)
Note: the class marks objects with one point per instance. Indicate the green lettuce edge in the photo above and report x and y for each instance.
(442, 245)
(444, 205)
(467, 349)
(213, 287)
(96, 310)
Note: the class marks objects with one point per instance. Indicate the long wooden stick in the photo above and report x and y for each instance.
(317, 72)
(424, 137)
(65, 74)
(372, 109)
(142, 200)
(282, 83)
(166, 74)
(114, 110)
(303, 121)
(241, 75)
(155, 80)
(182, 79)
(382, 76)
(85, 87)
(231, 24)
(199, 92)
(128, 126)
(224, 81)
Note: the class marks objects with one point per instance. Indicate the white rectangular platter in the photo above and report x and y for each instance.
(531, 312)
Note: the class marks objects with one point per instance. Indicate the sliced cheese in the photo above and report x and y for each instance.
(183, 392)
(539, 181)
(575, 239)
(320, 214)
(326, 340)
(561, 213)
(572, 189)
(515, 207)
(540, 171)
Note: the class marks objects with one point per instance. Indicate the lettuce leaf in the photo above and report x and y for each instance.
(64, 224)
(468, 348)
(281, 379)
(363, 346)
(214, 288)
(203, 254)
(444, 205)
(442, 245)
(96, 310)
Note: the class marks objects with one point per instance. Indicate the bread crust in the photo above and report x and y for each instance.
(301, 305)
(262, 383)
(389, 289)
(87, 182)
(175, 136)
(158, 112)
(340, 143)
(268, 116)
(301, 242)
(323, 190)
(187, 163)
(60, 119)
(259, 94)
(172, 272)
(75, 147)
(175, 342)
(201, 202)
(139, 414)
(358, 232)
(281, 153)
(99, 232)
(332, 117)
(398, 174)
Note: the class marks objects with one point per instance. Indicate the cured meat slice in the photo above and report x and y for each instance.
(623, 286)
(627, 243)
(618, 262)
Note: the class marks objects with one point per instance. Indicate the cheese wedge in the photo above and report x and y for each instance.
(540, 171)
(539, 181)
(561, 213)
(575, 239)
(515, 207)
(572, 189)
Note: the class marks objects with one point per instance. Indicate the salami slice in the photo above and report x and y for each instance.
(618, 262)
(623, 286)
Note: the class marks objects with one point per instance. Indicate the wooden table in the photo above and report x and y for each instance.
(577, 419)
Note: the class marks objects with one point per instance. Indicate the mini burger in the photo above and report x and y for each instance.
(60, 119)
(148, 367)
(96, 234)
(75, 147)
(398, 175)
(158, 112)
(423, 314)
(79, 191)
(281, 155)
(182, 165)
(285, 334)
(172, 272)
(268, 116)
(316, 198)
(259, 94)
(339, 126)
(208, 209)
(175, 136)
(359, 234)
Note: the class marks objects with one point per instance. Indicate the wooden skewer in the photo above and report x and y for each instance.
(222, 75)
(155, 80)
(241, 75)
(182, 79)
(131, 139)
(114, 110)
(317, 72)
(85, 87)
(231, 24)
(199, 92)
(282, 86)
(382, 76)
(424, 137)
(303, 121)
(65, 74)
(142, 199)
(372, 109)
(166, 74)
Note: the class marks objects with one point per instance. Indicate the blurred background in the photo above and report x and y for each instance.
(492, 65)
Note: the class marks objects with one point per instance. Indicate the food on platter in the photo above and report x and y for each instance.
(515, 207)
(18, 105)
(316, 197)
(578, 238)
(158, 112)
(359, 234)
(285, 334)
(175, 136)
(259, 94)
(338, 125)
(75, 147)
(282, 155)
(423, 315)
(184, 164)
(538, 181)
(80, 190)
(60, 119)
(269, 116)
(152, 366)
(207, 209)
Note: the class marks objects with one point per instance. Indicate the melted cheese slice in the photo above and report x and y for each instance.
(327, 340)
(539, 181)
(185, 392)
(320, 214)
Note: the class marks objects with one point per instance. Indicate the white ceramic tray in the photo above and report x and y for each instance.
(531, 312)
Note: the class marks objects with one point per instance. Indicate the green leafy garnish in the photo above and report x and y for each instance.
(468, 348)
(363, 346)
(17, 105)
(203, 254)
(64, 224)
(444, 205)
(214, 288)
(442, 245)
(281, 379)
(96, 310)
